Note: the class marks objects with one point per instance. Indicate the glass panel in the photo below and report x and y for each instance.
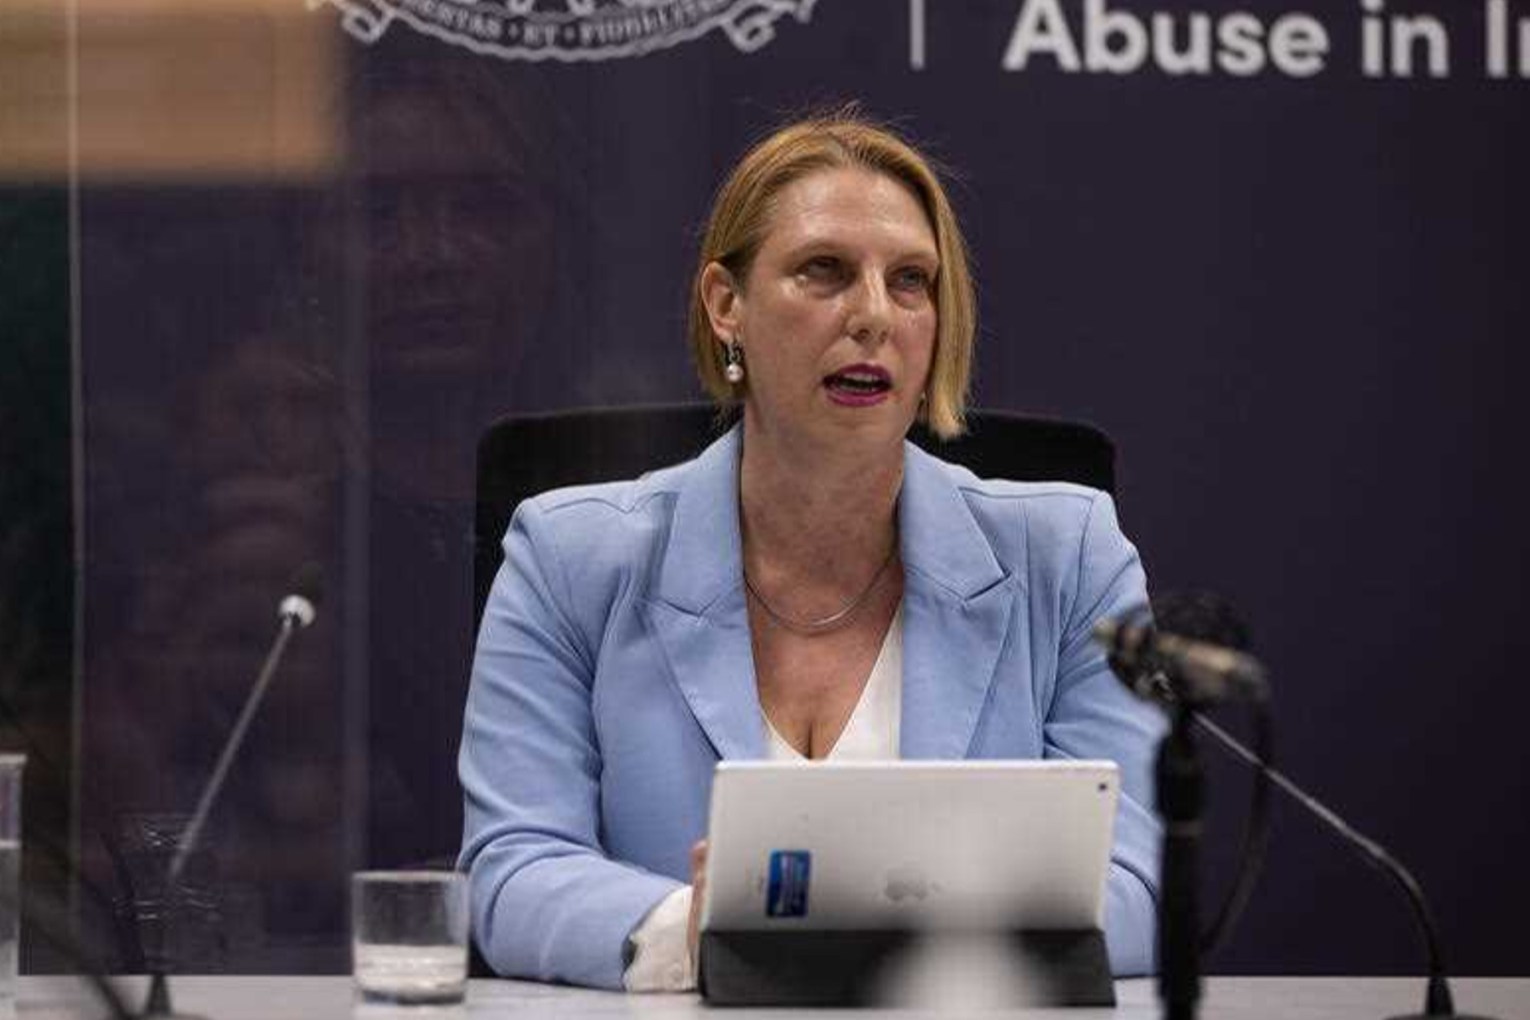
(311, 273)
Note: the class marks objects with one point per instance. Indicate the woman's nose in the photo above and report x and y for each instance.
(870, 317)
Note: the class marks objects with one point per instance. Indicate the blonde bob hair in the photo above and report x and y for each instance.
(741, 218)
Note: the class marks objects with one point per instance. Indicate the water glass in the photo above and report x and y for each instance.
(409, 936)
(11, 766)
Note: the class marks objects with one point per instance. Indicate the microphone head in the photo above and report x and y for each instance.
(1189, 645)
(1204, 645)
(302, 605)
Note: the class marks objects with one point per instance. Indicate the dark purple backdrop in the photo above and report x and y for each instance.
(1296, 303)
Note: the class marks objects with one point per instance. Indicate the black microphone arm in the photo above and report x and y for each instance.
(1183, 675)
(295, 612)
(1438, 1000)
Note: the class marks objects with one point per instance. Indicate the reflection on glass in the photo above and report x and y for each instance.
(288, 375)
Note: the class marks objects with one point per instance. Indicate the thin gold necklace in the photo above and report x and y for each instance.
(824, 623)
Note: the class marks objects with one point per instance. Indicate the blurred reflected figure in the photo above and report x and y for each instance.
(457, 253)
(453, 241)
(339, 428)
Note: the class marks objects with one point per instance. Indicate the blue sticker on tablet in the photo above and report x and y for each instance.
(787, 894)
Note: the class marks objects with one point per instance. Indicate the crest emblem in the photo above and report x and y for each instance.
(570, 30)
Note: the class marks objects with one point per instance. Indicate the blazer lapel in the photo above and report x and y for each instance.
(957, 608)
(696, 609)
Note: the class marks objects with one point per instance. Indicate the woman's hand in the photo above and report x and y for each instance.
(698, 889)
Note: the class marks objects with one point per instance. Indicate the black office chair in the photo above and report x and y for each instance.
(522, 455)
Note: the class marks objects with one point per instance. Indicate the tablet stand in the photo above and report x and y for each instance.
(861, 968)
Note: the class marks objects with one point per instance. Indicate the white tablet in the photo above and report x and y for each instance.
(958, 845)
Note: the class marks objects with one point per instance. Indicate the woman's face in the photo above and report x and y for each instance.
(837, 314)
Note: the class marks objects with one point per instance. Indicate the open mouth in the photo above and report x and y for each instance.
(859, 381)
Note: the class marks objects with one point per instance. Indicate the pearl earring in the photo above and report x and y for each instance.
(733, 361)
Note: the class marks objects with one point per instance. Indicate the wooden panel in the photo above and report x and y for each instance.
(182, 90)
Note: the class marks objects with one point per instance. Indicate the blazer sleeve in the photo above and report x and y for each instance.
(546, 901)
(1093, 715)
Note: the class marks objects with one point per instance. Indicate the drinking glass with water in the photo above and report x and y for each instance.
(11, 766)
(409, 936)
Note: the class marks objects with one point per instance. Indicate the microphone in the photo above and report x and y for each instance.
(302, 605)
(1161, 666)
(296, 611)
(1181, 672)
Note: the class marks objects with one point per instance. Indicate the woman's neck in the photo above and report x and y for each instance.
(819, 516)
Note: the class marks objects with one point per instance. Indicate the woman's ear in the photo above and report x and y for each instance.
(720, 297)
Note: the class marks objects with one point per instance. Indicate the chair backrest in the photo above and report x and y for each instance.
(523, 455)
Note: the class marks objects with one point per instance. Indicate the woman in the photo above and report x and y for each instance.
(810, 586)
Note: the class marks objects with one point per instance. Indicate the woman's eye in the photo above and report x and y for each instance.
(912, 279)
(823, 267)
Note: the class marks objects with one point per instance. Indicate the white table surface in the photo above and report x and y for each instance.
(320, 998)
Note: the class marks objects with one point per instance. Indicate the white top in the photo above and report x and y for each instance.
(871, 733)
(662, 961)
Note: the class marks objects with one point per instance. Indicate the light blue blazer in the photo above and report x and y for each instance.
(614, 671)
